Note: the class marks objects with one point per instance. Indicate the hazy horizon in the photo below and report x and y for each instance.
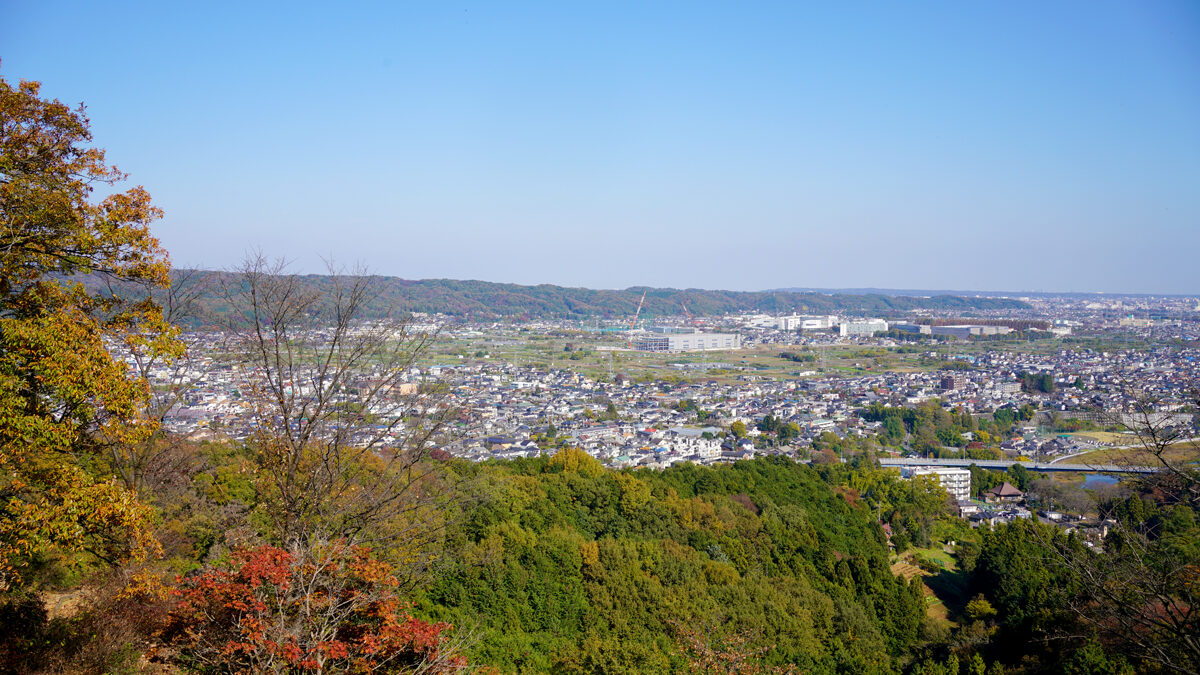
(1053, 148)
(846, 290)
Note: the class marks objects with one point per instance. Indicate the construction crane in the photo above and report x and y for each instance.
(635, 318)
(691, 319)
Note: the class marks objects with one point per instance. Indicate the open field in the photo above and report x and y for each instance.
(1180, 453)
(937, 555)
(1106, 437)
(941, 590)
(594, 354)
(936, 607)
(906, 570)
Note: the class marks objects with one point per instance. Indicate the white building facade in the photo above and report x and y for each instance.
(798, 322)
(957, 482)
(686, 342)
(863, 328)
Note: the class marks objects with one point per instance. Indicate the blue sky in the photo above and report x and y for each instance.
(965, 145)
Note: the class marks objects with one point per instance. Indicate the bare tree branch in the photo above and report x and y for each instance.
(344, 419)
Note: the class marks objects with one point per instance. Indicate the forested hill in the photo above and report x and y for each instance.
(482, 299)
(564, 566)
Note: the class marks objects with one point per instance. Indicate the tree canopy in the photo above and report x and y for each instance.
(63, 397)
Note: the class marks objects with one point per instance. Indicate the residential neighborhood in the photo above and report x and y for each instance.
(504, 408)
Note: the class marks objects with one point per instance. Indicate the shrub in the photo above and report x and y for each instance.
(324, 607)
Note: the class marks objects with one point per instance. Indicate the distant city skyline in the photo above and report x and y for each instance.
(1016, 147)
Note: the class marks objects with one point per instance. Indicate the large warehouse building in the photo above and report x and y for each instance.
(798, 322)
(686, 342)
(862, 328)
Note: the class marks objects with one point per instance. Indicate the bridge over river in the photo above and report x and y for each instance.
(1032, 466)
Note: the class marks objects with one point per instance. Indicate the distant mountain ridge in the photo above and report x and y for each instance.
(910, 292)
(489, 300)
(484, 299)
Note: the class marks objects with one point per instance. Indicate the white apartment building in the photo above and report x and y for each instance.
(957, 482)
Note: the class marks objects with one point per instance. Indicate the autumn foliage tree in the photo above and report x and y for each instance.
(321, 607)
(64, 398)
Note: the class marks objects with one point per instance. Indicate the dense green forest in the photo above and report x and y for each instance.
(569, 567)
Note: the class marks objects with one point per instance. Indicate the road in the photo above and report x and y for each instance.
(1005, 463)
(1119, 447)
